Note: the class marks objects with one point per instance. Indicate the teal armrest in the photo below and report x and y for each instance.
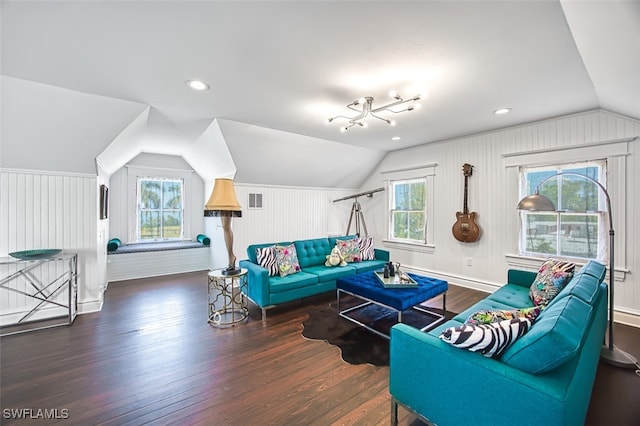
(258, 282)
(381, 254)
(522, 278)
(452, 386)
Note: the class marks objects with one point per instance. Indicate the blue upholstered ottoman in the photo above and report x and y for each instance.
(367, 286)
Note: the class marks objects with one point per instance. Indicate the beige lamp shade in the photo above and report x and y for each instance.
(223, 200)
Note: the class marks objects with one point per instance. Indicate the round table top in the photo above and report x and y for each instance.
(217, 273)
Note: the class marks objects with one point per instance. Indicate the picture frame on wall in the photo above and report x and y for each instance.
(104, 202)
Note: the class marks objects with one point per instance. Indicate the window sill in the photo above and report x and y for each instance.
(419, 247)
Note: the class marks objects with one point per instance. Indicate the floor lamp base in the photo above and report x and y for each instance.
(618, 358)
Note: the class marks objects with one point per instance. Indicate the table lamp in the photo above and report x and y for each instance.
(223, 203)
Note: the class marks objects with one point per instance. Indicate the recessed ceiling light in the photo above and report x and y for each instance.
(396, 138)
(502, 111)
(197, 85)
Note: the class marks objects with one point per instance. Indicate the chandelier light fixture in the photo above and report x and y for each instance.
(364, 107)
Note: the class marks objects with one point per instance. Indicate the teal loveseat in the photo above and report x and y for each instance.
(543, 378)
(314, 277)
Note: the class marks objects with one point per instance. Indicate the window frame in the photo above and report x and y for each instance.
(601, 214)
(393, 210)
(427, 172)
(160, 209)
(189, 203)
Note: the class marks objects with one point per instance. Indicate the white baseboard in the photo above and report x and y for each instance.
(90, 306)
(626, 318)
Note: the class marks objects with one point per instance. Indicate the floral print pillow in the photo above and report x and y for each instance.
(287, 259)
(349, 250)
(552, 276)
(491, 316)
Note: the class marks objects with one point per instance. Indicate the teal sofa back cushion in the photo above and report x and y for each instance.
(312, 252)
(554, 338)
(584, 286)
(593, 268)
(251, 250)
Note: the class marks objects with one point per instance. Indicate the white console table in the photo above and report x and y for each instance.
(45, 281)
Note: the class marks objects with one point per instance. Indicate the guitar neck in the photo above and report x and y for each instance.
(466, 184)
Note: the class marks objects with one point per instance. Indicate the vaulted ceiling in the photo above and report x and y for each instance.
(279, 69)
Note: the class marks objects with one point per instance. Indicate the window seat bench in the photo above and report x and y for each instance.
(144, 260)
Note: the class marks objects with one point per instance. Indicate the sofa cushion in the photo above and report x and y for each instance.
(595, 269)
(302, 279)
(312, 252)
(266, 257)
(583, 286)
(552, 276)
(349, 250)
(487, 339)
(555, 338)
(367, 265)
(287, 259)
(366, 250)
(325, 273)
(489, 316)
(512, 295)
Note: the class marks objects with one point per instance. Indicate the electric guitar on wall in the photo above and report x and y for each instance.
(466, 229)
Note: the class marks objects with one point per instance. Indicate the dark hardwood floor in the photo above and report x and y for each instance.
(150, 357)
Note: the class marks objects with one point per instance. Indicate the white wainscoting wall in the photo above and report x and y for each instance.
(290, 213)
(129, 266)
(41, 209)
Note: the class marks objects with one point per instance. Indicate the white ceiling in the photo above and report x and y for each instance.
(290, 65)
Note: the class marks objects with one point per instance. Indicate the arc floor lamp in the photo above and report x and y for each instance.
(537, 203)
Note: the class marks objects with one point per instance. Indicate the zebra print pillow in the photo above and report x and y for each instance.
(266, 257)
(365, 248)
(489, 340)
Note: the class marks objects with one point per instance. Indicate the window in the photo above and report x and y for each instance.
(160, 209)
(577, 229)
(408, 210)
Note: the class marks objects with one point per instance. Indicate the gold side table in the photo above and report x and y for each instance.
(228, 302)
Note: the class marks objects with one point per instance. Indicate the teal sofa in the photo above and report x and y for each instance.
(314, 277)
(543, 378)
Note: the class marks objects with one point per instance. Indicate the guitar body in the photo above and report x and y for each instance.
(466, 229)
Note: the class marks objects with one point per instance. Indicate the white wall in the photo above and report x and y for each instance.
(289, 213)
(52, 210)
(493, 194)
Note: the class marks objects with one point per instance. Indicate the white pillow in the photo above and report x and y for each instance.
(489, 340)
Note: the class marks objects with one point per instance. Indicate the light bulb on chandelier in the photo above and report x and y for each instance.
(367, 109)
